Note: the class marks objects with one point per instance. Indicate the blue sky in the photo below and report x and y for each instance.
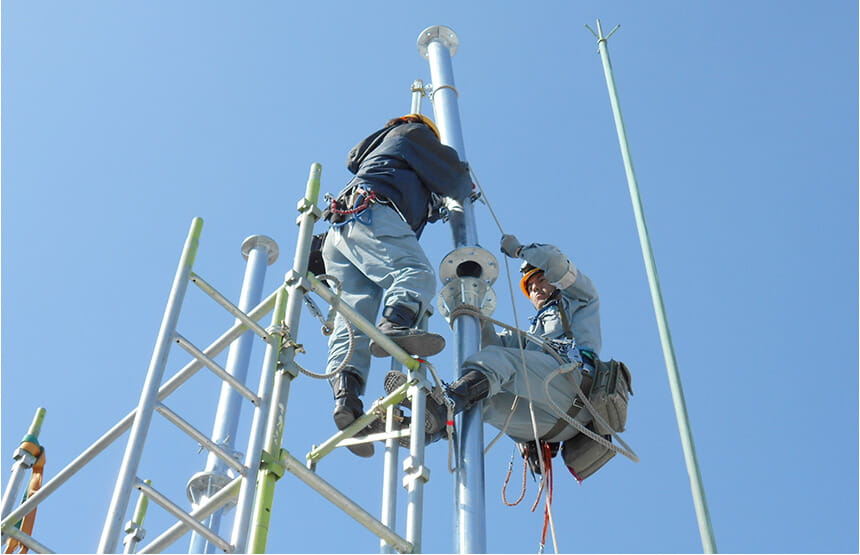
(123, 121)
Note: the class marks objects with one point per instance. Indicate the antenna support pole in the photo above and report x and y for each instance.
(705, 529)
(438, 44)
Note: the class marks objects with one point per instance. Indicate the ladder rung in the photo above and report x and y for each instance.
(215, 367)
(27, 540)
(172, 534)
(329, 445)
(201, 438)
(179, 513)
(346, 504)
(231, 308)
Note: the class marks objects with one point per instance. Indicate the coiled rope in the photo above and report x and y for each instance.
(328, 327)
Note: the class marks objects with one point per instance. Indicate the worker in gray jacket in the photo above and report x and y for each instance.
(566, 329)
(372, 249)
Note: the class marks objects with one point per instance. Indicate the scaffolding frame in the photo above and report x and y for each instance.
(265, 460)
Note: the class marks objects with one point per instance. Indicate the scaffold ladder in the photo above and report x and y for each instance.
(251, 488)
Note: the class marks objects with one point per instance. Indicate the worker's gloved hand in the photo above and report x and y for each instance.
(511, 246)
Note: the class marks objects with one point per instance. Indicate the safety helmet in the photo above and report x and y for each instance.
(426, 121)
(528, 271)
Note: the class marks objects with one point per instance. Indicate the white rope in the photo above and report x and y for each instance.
(532, 417)
(349, 329)
(522, 360)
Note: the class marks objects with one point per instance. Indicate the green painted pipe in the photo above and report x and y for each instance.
(696, 484)
(35, 428)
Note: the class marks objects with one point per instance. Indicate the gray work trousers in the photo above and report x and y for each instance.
(377, 259)
(503, 367)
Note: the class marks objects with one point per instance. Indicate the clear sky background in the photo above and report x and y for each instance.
(122, 121)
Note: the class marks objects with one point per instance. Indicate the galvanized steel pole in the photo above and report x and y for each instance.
(259, 251)
(149, 395)
(438, 44)
(696, 484)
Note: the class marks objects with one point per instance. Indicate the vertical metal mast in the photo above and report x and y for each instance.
(259, 251)
(705, 529)
(438, 44)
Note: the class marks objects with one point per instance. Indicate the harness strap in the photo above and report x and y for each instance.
(561, 423)
(574, 409)
(369, 198)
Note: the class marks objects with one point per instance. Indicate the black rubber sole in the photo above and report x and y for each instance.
(415, 342)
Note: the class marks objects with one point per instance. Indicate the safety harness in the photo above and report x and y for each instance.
(359, 199)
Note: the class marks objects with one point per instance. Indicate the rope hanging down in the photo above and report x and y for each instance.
(543, 463)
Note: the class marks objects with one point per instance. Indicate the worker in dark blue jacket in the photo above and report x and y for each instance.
(372, 249)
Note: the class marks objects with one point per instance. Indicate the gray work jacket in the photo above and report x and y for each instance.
(578, 300)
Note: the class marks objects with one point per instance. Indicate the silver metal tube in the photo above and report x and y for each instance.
(232, 381)
(29, 541)
(175, 532)
(231, 308)
(696, 484)
(438, 44)
(201, 438)
(179, 513)
(259, 251)
(388, 513)
(13, 487)
(416, 474)
(417, 95)
(143, 414)
(123, 425)
(343, 502)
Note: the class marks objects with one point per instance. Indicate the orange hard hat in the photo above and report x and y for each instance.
(426, 121)
(529, 271)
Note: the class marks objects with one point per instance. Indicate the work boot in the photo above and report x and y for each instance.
(397, 324)
(461, 395)
(348, 407)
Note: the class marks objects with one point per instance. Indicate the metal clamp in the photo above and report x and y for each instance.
(413, 472)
